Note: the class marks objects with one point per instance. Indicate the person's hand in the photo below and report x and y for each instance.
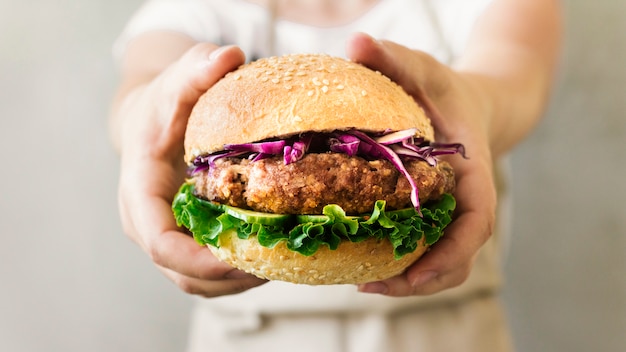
(459, 111)
(154, 119)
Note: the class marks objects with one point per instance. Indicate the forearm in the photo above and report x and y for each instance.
(511, 58)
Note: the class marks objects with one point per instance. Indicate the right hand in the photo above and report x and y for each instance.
(456, 105)
(152, 128)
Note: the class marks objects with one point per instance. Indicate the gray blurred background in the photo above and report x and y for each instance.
(71, 281)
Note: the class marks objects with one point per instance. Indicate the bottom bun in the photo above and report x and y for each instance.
(350, 263)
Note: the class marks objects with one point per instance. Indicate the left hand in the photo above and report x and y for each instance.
(459, 111)
(154, 119)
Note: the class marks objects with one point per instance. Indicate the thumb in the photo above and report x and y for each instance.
(418, 73)
(199, 69)
(412, 69)
(178, 88)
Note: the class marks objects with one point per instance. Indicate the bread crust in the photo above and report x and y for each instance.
(282, 96)
(286, 95)
(351, 263)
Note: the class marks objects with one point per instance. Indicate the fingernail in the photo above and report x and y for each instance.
(423, 278)
(374, 287)
(215, 53)
(378, 42)
(374, 41)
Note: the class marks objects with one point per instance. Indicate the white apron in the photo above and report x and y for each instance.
(280, 316)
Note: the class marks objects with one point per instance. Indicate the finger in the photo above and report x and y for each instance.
(214, 288)
(448, 265)
(199, 69)
(155, 230)
(181, 85)
(449, 262)
(189, 265)
(145, 206)
(413, 70)
(177, 251)
(171, 249)
(418, 73)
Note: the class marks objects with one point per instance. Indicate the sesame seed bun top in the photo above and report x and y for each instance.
(286, 95)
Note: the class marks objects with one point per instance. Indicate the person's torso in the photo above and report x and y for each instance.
(438, 27)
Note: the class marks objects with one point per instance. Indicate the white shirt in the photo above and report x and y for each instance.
(438, 27)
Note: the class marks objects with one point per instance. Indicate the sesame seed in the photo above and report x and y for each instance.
(275, 80)
(237, 77)
(310, 93)
(325, 89)
(363, 93)
(325, 81)
(340, 87)
(264, 79)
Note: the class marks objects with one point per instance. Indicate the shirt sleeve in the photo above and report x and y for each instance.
(195, 18)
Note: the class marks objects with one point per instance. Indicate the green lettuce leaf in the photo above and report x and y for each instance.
(305, 234)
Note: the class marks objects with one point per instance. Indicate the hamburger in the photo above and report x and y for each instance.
(314, 169)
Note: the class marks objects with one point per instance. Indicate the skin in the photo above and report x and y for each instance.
(489, 101)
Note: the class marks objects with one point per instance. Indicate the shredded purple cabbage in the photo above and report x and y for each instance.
(381, 151)
(391, 146)
(296, 151)
(345, 143)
